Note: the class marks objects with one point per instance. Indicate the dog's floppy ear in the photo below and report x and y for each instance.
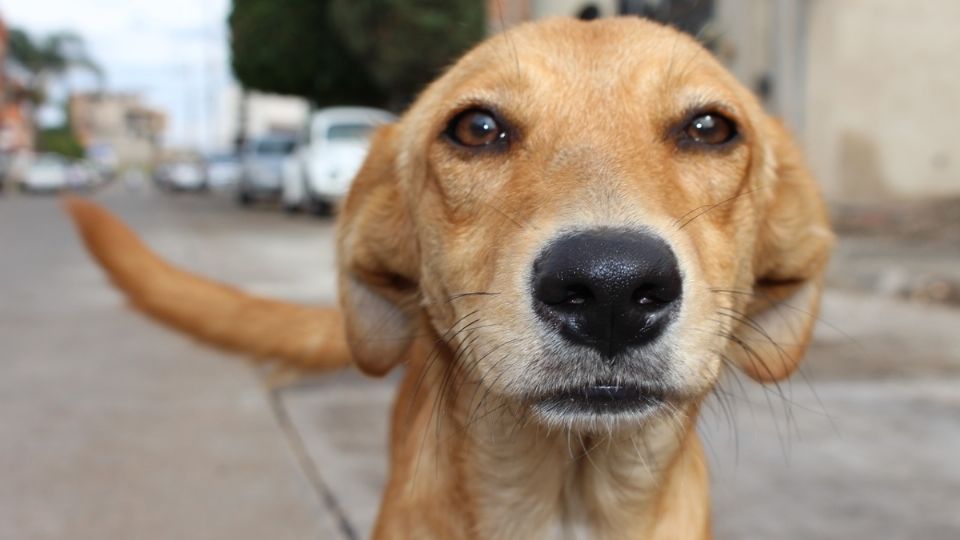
(378, 261)
(794, 243)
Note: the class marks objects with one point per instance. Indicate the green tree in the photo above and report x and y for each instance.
(364, 52)
(60, 140)
(291, 48)
(404, 44)
(50, 57)
(45, 60)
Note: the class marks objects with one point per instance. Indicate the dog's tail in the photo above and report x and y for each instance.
(297, 336)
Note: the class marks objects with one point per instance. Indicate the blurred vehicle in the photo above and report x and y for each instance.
(45, 172)
(182, 174)
(292, 194)
(6, 160)
(336, 143)
(103, 159)
(261, 167)
(14, 168)
(223, 171)
(134, 178)
(82, 175)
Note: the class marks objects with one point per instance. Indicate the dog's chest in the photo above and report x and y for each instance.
(570, 522)
(549, 518)
(581, 503)
(568, 531)
(538, 487)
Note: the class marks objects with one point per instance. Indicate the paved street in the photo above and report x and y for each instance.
(113, 427)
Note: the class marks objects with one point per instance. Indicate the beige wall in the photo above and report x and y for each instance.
(131, 129)
(883, 97)
(743, 27)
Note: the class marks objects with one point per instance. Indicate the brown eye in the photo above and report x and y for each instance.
(475, 128)
(711, 129)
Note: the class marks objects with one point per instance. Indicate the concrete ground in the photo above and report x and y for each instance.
(112, 427)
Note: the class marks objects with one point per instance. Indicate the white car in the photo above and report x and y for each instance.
(319, 174)
(45, 172)
(82, 175)
(223, 171)
(261, 168)
(183, 175)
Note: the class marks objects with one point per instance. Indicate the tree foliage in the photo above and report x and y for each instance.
(48, 57)
(407, 44)
(45, 59)
(60, 140)
(291, 48)
(336, 52)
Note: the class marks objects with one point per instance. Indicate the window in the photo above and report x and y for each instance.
(347, 132)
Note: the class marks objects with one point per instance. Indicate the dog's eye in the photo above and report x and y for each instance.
(711, 129)
(475, 128)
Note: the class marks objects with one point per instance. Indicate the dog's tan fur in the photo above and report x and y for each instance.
(435, 246)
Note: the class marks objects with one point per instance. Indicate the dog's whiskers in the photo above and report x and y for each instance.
(784, 304)
(682, 221)
(458, 296)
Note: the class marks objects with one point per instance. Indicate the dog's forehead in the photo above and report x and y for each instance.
(631, 59)
(570, 45)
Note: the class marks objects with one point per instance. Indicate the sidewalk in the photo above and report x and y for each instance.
(905, 250)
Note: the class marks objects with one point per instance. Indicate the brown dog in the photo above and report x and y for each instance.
(564, 240)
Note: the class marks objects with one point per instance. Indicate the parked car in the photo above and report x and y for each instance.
(84, 175)
(335, 145)
(45, 172)
(104, 161)
(182, 174)
(261, 168)
(223, 171)
(6, 162)
(293, 191)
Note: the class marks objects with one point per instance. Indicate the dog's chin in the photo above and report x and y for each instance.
(600, 406)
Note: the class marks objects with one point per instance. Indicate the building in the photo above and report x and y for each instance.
(117, 125)
(868, 86)
(4, 40)
(258, 113)
(882, 80)
(16, 126)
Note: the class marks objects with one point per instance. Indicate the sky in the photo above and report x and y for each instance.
(172, 52)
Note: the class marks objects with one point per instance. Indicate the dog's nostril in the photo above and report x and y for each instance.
(643, 298)
(654, 296)
(577, 295)
(607, 289)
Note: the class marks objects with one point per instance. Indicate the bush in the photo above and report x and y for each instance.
(59, 141)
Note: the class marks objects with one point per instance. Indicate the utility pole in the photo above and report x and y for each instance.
(241, 137)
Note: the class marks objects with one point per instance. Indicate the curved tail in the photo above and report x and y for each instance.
(298, 336)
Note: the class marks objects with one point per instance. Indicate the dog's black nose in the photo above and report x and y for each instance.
(609, 289)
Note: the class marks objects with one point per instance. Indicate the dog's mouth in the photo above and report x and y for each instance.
(600, 400)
